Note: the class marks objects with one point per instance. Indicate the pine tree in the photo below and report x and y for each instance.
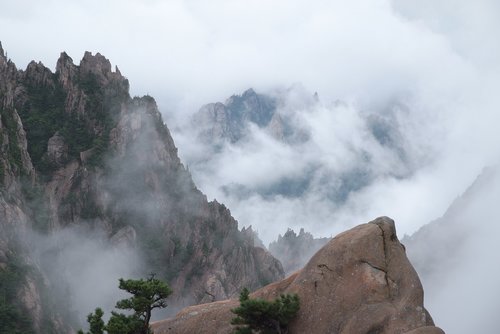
(95, 321)
(263, 316)
(147, 294)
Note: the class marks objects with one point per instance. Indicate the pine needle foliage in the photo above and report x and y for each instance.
(265, 317)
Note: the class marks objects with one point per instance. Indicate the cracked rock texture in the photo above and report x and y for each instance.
(360, 282)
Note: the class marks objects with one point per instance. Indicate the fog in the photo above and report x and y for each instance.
(438, 60)
(83, 270)
(456, 257)
(132, 202)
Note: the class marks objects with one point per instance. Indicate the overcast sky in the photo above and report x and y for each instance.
(190, 52)
(441, 57)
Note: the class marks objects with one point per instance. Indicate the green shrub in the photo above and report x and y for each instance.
(147, 294)
(13, 316)
(264, 317)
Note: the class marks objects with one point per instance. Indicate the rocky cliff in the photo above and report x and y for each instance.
(77, 150)
(360, 282)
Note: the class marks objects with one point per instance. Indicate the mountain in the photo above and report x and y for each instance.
(294, 250)
(227, 121)
(216, 123)
(299, 159)
(78, 154)
(458, 249)
(436, 245)
(360, 282)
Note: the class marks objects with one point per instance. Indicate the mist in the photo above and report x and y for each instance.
(455, 257)
(431, 69)
(82, 260)
(83, 269)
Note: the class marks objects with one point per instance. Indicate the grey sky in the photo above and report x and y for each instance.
(442, 58)
(188, 52)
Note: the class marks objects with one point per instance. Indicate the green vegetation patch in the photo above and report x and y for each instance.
(13, 316)
(265, 317)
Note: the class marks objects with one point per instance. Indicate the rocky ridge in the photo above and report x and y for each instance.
(77, 150)
(360, 282)
(294, 250)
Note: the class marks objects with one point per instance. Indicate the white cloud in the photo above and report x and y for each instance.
(439, 58)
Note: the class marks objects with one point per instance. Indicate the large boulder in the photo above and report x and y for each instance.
(360, 282)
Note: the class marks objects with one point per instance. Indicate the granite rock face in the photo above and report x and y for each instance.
(360, 282)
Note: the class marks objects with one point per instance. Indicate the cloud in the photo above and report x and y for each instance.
(455, 256)
(188, 52)
(439, 60)
(83, 269)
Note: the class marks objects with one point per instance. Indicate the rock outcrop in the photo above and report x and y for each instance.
(294, 250)
(360, 282)
(229, 121)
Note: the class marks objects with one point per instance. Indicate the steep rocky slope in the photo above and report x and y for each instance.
(77, 150)
(360, 282)
(432, 246)
(458, 249)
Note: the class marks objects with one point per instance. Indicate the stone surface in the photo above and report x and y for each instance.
(360, 282)
(57, 150)
(125, 236)
(426, 330)
(137, 192)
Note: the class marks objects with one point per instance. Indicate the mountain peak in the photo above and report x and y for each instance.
(63, 62)
(249, 92)
(98, 65)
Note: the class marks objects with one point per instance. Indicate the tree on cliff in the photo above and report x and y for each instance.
(263, 316)
(147, 294)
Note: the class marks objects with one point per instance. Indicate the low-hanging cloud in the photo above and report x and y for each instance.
(339, 154)
(83, 269)
(439, 59)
